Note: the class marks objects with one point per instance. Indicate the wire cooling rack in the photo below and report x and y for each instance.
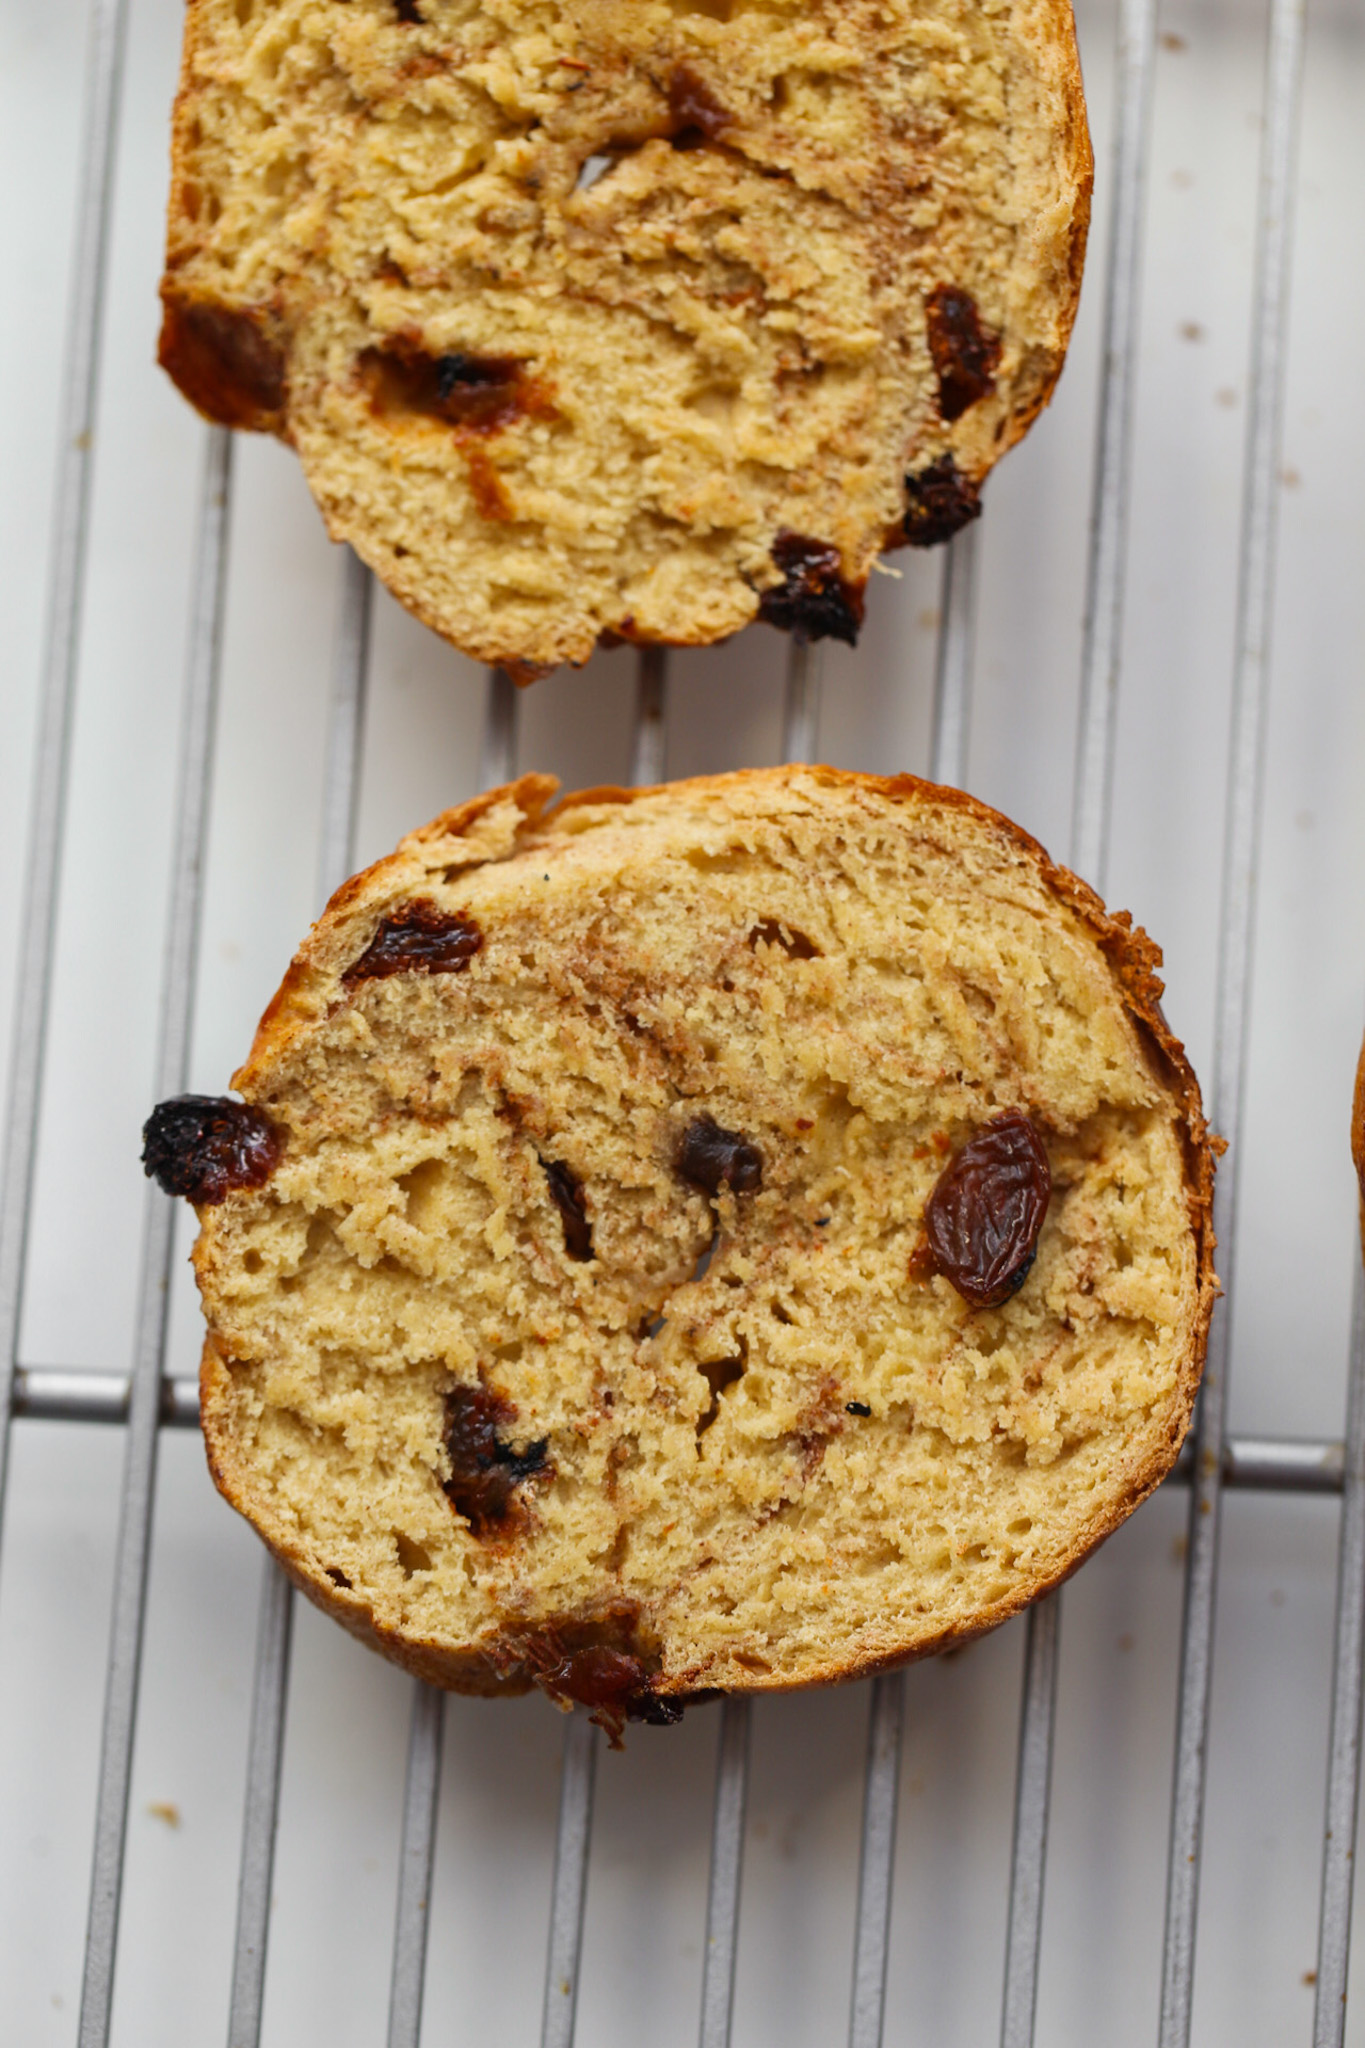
(1163, 604)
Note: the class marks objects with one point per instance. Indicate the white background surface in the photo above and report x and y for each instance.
(336, 1867)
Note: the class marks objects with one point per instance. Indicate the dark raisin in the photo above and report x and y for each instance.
(479, 393)
(965, 353)
(408, 11)
(939, 502)
(566, 1192)
(617, 1685)
(699, 115)
(856, 1408)
(709, 1157)
(984, 1216)
(418, 939)
(228, 360)
(483, 1469)
(204, 1146)
(812, 600)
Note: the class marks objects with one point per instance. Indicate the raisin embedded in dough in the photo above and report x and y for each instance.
(987, 1209)
(712, 1158)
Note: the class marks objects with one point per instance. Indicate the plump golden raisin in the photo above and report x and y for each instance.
(204, 1146)
(987, 1209)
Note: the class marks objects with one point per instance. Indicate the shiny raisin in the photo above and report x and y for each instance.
(939, 502)
(711, 1158)
(615, 1684)
(566, 1192)
(812, 601)
(483, 1469)
(418, 939)
(986, 1211)
(966, 354)
(204, 1146)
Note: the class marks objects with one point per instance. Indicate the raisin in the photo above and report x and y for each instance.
(478, 393)
(987, 1209)
(204, 1146)
(699, 115)
(616, 1684)
(939, 502)
(709, 1157)
(483, 1469)
(408, 11)
(566, 1192)
(965, 353)
(228, 360)
(856, 1408)
(813, 601)
(418, 939)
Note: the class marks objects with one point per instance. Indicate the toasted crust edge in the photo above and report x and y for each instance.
(1134, 959)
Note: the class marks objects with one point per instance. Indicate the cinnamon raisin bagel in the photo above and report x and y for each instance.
(628, 318)
(731, 1236)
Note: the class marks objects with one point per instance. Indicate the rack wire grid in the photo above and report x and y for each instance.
(208, 690)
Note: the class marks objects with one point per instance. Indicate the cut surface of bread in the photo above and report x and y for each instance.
(584, 1266)
(628, 318)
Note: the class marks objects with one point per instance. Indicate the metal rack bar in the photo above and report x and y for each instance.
(570, 1888)
(1107, 568)
(877, 1863)
(139, 1472)
(727, 1869)
(1252, 1464)
(1251, 676)
(426, 1730)
(651, 718)
(421, 1798)
(265, 1744)
(1033, 1784)
(1097, 720)
(954, 660)
(75, 465)
(265, 1754)
(499, 731)
(877, 1858)
(1343, 1749)
(801, 716)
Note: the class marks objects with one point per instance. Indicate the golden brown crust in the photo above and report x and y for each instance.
(503, 817)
